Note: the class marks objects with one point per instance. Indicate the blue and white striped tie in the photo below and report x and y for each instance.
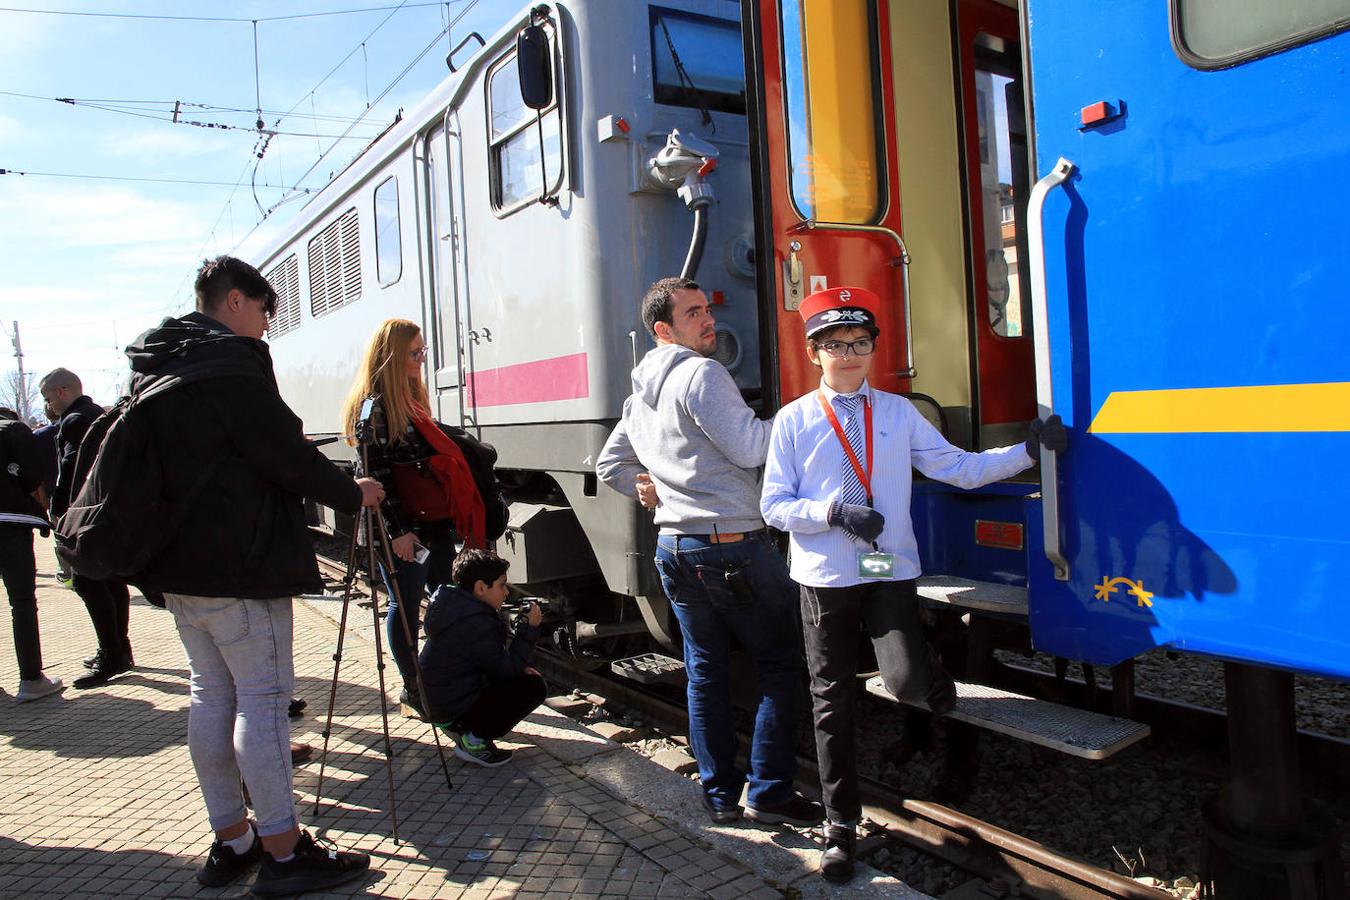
(853, 490)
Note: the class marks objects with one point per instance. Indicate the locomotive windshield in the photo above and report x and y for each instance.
(697, 61)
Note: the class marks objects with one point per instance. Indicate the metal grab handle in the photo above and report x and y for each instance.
(1040, 326)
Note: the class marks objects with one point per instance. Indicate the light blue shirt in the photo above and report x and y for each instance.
(804, 475)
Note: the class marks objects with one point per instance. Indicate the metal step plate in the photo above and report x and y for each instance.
(966, 593)
(650, 668)
(1077, 732)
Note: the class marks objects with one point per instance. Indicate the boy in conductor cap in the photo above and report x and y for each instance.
(837, 479)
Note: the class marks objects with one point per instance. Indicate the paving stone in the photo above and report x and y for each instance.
(676, 760)
(616, 732)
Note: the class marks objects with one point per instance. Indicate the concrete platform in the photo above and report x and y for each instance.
(98, 796)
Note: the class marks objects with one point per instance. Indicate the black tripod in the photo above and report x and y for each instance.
(372, 520)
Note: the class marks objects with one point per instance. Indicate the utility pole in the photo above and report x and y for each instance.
(22, 392)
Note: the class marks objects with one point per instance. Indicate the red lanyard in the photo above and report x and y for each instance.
(864, 477)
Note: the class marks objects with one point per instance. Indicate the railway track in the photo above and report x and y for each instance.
(1011, 864)
(979, 848)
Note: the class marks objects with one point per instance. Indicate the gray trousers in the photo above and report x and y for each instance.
(242, 678)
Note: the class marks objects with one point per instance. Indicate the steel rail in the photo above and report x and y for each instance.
(975, 846)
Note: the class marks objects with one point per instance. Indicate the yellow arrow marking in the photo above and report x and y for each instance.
(1262, 408)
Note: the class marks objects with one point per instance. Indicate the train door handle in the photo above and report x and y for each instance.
(792, 278)
(1040, 325)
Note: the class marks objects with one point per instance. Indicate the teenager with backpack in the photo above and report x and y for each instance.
(20, 513)
(238, 552)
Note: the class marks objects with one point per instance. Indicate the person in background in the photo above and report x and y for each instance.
(419, 514)
(107, 602)
(20, 513)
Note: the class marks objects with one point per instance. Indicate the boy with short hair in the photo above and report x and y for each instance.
(478, 686)
(838, 480)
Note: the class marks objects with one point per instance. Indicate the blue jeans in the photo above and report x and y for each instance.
(765, 621)
(415, 581)
(243, 674)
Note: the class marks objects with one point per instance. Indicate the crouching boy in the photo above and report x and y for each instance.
(838, 480)
(477, 676)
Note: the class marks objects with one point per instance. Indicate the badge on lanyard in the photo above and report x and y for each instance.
(874, 564)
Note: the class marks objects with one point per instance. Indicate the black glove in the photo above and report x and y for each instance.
(863, 522)
(1049, 433)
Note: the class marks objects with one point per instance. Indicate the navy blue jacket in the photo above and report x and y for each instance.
(75, 421)
(466, 649)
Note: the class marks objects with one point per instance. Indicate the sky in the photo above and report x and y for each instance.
(87, 264)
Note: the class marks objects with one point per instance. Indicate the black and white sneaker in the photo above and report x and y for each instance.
(312, 868)
(223, 865)
(796, 811)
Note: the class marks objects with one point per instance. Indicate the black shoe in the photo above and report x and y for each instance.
(223, 865)
(103, 671)
(91, 661)
(313, 868)
(410, 703)
(942, 689)
(296, 708)
(796, 811)
(721, 815)
(836, 863)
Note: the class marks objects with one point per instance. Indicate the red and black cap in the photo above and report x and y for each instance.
(840, 306)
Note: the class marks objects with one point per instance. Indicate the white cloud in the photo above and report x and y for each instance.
(73, 217)
(170, 142)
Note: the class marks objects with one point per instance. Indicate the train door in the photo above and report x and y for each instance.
(1194, 253)
(832, 189)
(445, 310)
(995, 144)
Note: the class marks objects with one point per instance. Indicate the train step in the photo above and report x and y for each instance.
(649, 668)
(966, 593)
(1077, 732)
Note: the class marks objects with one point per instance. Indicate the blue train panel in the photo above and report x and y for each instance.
(1196, 271)
(978, 534)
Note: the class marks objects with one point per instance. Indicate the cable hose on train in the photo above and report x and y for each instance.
(696, 242)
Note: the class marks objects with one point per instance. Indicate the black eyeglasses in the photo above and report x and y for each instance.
(419, 354)
(840, 349)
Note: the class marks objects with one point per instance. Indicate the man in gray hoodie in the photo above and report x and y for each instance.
(688, 427)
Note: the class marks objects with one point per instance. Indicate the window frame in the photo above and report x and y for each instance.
(718, 101)
(1211, 64)
(881, 149)
(494, 145)
(398, 231)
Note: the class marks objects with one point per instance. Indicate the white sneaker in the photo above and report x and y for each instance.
(36, 688)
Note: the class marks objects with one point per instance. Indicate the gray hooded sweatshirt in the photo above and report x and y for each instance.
(686, 424)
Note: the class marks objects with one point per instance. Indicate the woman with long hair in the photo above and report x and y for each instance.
(391, 373)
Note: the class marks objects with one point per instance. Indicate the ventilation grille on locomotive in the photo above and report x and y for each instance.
(285, 280)
(335, 265)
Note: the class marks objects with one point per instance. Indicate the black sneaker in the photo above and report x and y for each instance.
(103, 671)
(797, 811)
(942, 689)
(410, 704)
(296, 708)
(223, 865)
(477, 751)
(91, 661)
(721, 815)
(313, 868)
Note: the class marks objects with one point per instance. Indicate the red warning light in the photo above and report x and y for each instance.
(718, 298)
(622, 124)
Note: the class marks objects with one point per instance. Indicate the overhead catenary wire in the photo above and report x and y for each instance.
(239, 19)
(193, 181)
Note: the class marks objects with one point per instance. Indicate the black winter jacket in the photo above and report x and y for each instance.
(20, 475)
(75, 421)
(466, 649)
(245, 534)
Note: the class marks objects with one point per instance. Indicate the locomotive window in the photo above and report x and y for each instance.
(285, 280)
(1212, 34)
(335, 265)
(520, 156)
(831, 85)
(711, 55)
(388, 239)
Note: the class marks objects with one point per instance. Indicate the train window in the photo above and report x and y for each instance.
(833, 109)
(1002, 157)
(388, 239)
(335, 265)
(1212, 34)
(285, 280)
(518, 140)
(710, 73)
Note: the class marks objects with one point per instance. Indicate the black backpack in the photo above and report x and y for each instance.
(119, 520)
(482, 459)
